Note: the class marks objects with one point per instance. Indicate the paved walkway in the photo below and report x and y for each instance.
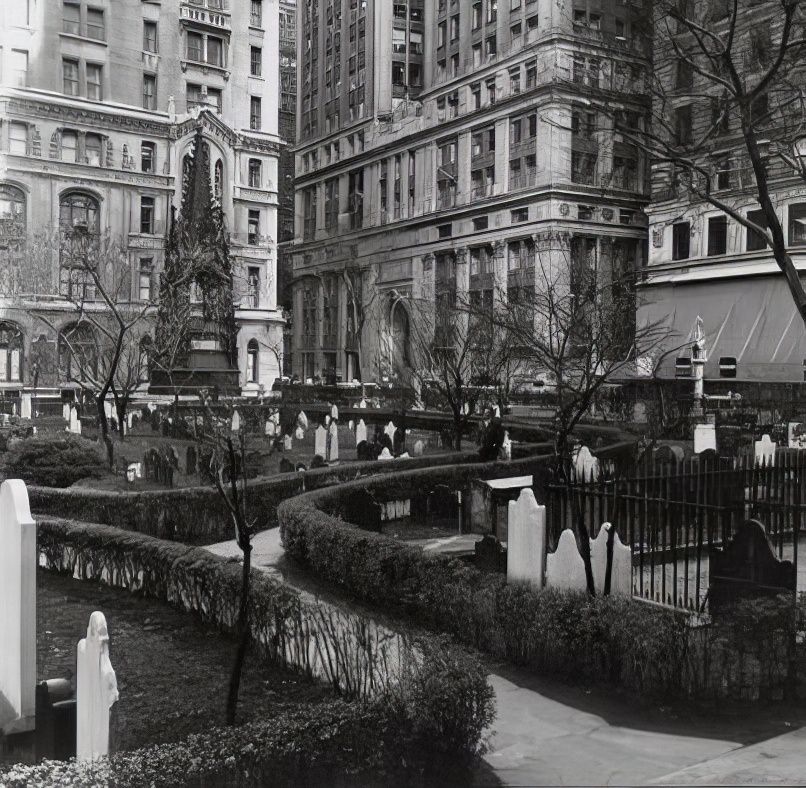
(547, 733)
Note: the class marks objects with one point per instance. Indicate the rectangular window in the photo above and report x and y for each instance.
(215, 51)
(255, 169)
(144, 279)
(797, 224)
(254, 113)
(71, 18)
(255, 61)
(147, 156)
(193, 96)
(683, 127)
(18, 138)
(195, 47)
(149, 91)
(147, 215)
(215, 98)
(95, 24)
(253, 231)
(69, 146)
(92, 149)
(70, 77)
(94, 82)
(149, 36)
(253, 280)
(681, 237)
(19, 67)
(717, 235)
(519, 215)
(755, 241)
(256, 13)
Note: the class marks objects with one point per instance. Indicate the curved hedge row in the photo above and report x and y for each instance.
(419, 695)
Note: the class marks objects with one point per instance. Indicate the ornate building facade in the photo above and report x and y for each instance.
(445, 148)
(100, 102)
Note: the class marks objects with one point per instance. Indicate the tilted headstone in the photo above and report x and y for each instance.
(418, 449)
(765, 450)
(621, 564)
(334, 412)
(360, 432)
(302, 420)
(96, 691)
(320, 442)
(17, 609)
(565, 568)
(299, 433)
(526, 540)
(389, 429)
(333, 442)
(586, 466)
(704, 437)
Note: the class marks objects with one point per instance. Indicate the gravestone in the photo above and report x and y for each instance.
(235, 424)
(389, 430)
(418, 449)
(26, 412)
(270, 428)
(489, 555)
(747, 568)
(363, 403)
(765, 450)
(526, 540)
(18, 609)
(360, 432)
(334, 412)
(506, 447)
(320, 442)
(75, 421)
(333, 443)
(704, 437)
(796, 435)
(96, 691)
(351, 425)
(385, 454)
(620, 563)
(131, 473)
(299, 433)
(586, 466)
(565, 568)
(327, 421)
(288, 443)
(66, 411)
(302, 420)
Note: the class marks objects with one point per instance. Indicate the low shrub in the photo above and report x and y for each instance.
(54, 461)
(426, 708)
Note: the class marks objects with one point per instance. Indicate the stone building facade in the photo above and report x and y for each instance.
(445, 149)
(99, 104)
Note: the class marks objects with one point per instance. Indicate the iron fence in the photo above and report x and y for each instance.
(672, 515)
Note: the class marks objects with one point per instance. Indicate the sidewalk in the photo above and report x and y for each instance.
(547, 733)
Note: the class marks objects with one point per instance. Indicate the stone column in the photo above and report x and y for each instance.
(499, 273)
(463, 165)
(501, 156)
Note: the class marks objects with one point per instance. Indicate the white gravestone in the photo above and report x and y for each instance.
(360, 432)
(586, 465)
(621, 569)
(418, 449)
(506, 446)
(320, 442)
(66, 411)
(17, 608)
(288, 443)
(565, 568)
(299, 433)
(75, 421)
(526, 540)
(362, 404)
(26, 411)
(765, 451)
(327, 421)
(96, 691)
(270, 428)
(385, 454)
(797, 435)
(235, 424)
(390, 430)
(302, 420)
(333, 443)
(704, 437)
(334, 412)
(351, 425)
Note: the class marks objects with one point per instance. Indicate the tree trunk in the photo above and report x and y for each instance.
(120, 409)
(243, 636)
(104, 425)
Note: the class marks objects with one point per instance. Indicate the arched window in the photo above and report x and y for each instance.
(79, 220)
(218, 181)
(10, 353)
(78, 353)
(145, 358)
(12, 211)
(252, 359)
(78, 210)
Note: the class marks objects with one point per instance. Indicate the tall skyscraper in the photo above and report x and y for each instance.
(444, 147)
(100, 102)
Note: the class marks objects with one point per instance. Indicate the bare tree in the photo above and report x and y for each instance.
(728, 112)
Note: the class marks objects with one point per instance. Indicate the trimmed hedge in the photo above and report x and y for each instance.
(647, 649)
(434, 696)
(57, 461)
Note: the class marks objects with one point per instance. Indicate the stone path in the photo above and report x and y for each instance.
(548, 733)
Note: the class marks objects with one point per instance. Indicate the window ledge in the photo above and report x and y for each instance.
(76, 37)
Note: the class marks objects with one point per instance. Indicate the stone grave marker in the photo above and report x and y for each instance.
(565, 568)
(385, 454)
(235, 424)
(320, 442)
(389, 429)
(418, 449)
(586, 466)
(363, 403)
(360, 432)
(351, 425)
(526, 540)
(765, 450)
(333, 442)
(704, 437)
(621, 563)
(506, 446)
(66, 411)
(26, 412)
(299, 433)
(96, 691)
(288, 443)
(302, 420)
(18, 609)
(334, 412)
(270, 428)
(75, 421)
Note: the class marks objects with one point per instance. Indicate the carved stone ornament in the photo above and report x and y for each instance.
(607, 214)
(428, 261)
(564, 209)
(461, 256)
(657, 237)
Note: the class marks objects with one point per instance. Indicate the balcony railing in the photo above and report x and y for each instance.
(210, 15)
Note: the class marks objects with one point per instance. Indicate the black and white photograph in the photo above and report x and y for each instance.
(402, 394)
